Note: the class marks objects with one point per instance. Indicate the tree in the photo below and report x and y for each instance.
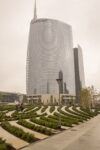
(39, 100)
(92, 94)
(1, 97)
(85, 98)
(24, 99)
(51, 100)
(62, 100)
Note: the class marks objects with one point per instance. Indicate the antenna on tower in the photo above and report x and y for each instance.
(35, 11)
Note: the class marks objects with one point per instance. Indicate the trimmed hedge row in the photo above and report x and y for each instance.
(45, 123)
(18, 132)
(17, 116)
(81, 113)
(44, 109)
(34, 127)
(74, 113)
(7, 107)
(29, 108)
(5, 146)
(95, 113)
(79, 119)
(52, 109)
(56, 120)
(3, 116)
(66, 119)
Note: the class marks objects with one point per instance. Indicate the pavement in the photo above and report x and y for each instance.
(84, 136)
(16, 142)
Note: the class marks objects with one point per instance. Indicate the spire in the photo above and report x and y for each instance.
(35, 12)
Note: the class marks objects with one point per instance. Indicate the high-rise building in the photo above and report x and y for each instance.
(50, 55)
(79, 70)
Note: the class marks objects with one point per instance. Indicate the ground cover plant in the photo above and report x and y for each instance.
(45, 123)
(71, 116)
(18, 132)
(3, 116)
(89, 112)
(44, 109)
(81, 112)
(34, 127)
(29, 108)
(7, 107)
(5, 146)
(52, 109)
(76, 114)
(56, 120)
(66, 119)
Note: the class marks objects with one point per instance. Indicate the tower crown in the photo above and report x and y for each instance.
(35, 12)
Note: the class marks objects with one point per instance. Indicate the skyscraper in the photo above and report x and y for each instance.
(50, 55)
(79, 70)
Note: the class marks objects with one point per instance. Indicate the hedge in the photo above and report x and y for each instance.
(18, 132)
(34, 127)
(76, 114)
(56, 120)
(52, 109)
(45, 123)
(5, 146)
(44, 109)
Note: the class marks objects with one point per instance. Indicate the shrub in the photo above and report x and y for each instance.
(44, 109)
(76, 114)
(5, 146)
(56, 120)
(34, 127)
(18, 132)
(82, 113)
(52, 108)
(45, 123)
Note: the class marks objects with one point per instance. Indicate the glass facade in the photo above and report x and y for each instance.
(79, 70)
(50, 56)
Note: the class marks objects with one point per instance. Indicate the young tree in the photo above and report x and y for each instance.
(1, 97)
(85, 98)
(51, 100)
(92, 93)
(24, 99)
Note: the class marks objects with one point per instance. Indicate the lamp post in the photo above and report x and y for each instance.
(59, 83)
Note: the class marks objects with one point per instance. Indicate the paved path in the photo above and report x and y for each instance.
(56, 107)
(85, 136)
(39, 111)
(16, 142)
(10, 113)
(47, 111)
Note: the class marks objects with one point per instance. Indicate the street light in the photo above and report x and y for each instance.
(59, 83)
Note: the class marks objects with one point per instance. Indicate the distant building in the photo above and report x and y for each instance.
(8, 97)
(51, 99)
(79, 71)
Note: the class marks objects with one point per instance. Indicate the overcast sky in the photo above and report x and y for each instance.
(15, 17)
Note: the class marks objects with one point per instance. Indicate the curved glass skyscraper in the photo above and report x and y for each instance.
(50, 55)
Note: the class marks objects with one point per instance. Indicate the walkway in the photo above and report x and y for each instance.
(84, 136)
(16, 142)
